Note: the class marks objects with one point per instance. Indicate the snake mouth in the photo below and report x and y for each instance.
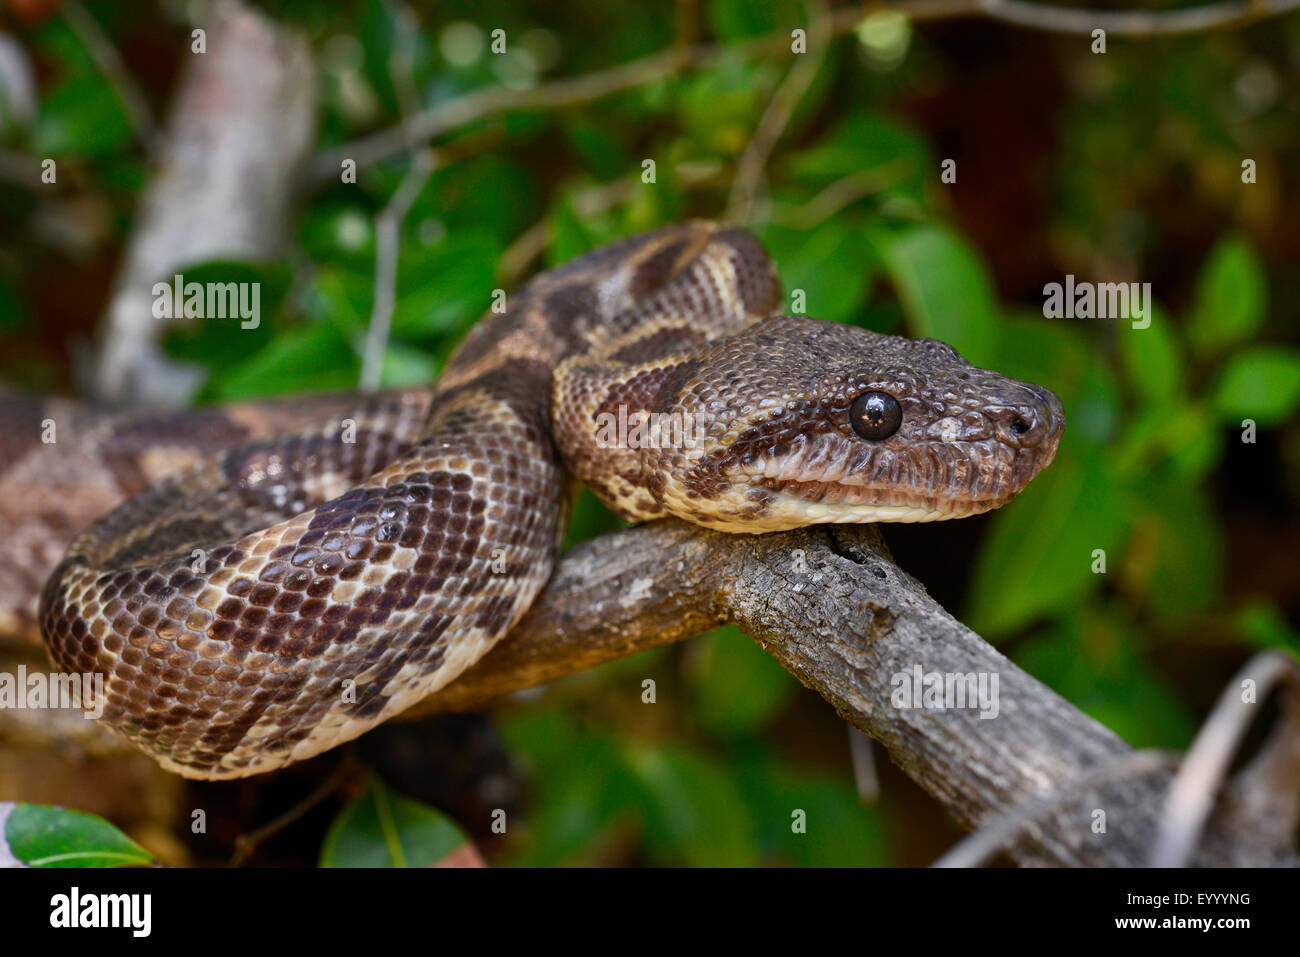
(834, 481)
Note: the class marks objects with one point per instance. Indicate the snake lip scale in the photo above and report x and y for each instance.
(279, 598)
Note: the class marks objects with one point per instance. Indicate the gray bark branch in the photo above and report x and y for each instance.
(831, 606)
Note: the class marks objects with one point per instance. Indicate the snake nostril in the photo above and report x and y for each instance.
(1019, 425)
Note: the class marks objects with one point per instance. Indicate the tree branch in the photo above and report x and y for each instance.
(589, 87)
(831, 606)
(1122, 23)
(388, 234)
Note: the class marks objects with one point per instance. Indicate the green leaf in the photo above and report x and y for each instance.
(1152, 360)
(81, 114)
(583, 791)
(442, 292)
(719, 106)
(82, 117)
(1184, 436)
(695, 813)
(44, 836)
(584, 797)
(1090, 657)
(832, 265)
(380, 33)
(1175, 550)
(735, 19)
(380, 828)
(218, 343)
(570, 236)
(865, 144)
(312, 358)
(738, 687)
(1262, 383)
(342, 296)
(1038, 557)
(1230, 297)
(1265, 627)
(487, 194)
(945, 289)
(598, 149)
(840, 831)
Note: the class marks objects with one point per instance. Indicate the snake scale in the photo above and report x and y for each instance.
(264, 604)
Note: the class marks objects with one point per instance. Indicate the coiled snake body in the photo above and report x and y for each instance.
(264, 606)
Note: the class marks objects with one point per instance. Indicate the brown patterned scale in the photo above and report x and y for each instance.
(271, 602)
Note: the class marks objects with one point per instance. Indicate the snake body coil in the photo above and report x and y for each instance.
(262, 607)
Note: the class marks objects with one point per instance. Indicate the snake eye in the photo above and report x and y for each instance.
(875, 415)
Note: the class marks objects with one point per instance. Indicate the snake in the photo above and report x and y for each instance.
(270, 601)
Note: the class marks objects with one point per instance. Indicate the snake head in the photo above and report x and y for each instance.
(797, 421)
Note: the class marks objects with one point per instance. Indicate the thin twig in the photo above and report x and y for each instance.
(753, 161)
(589, 87)
(388, 234)
(401, 62)
(246, 844)
(842, 192)
(863, 756)
(975, 849)
(1125, 23)
(588, 203)
(1203, 771)
(488, 102)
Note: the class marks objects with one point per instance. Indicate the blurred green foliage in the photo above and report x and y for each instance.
(1142, 179)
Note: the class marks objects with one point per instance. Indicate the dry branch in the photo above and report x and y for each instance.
(831, 606)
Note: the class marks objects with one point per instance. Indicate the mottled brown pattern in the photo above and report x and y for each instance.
(49, 493)
(260, 606)
(255, 607)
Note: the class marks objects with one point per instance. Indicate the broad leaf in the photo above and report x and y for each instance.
(695, 813)
(738, 687)
(1153, 362)
(383, 829)
(1230, 298)
(830, 267)
(1261, 384)
(944, 287)
(1039, 556)
(38, 835)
